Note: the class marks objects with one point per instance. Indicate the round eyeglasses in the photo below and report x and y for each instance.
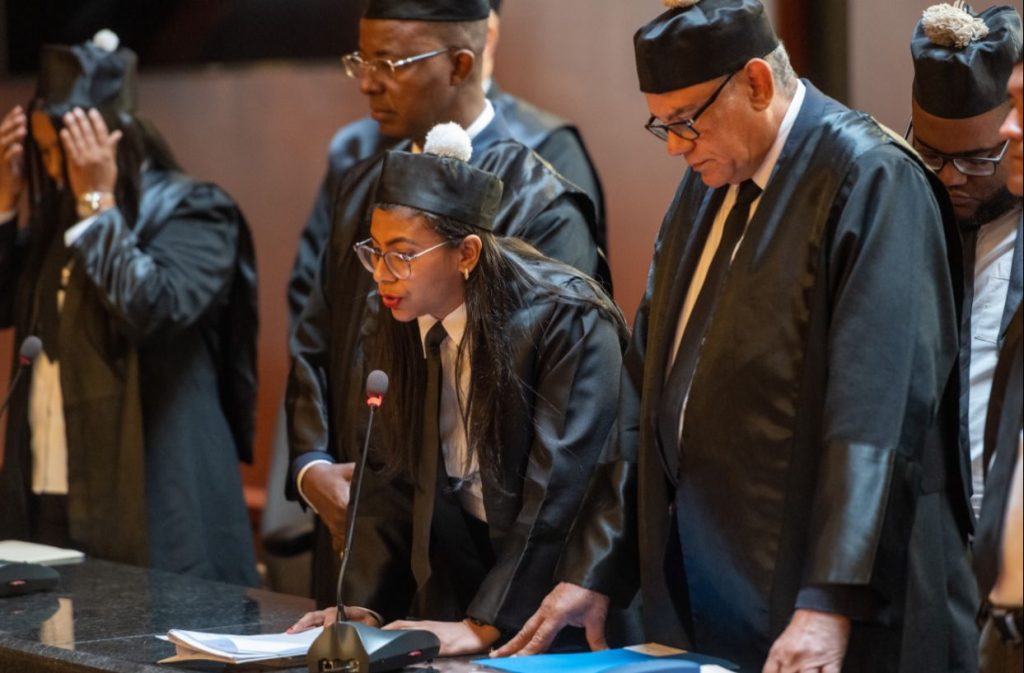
(357, 67)
(977, 165)
(398, 263)
(685, 129)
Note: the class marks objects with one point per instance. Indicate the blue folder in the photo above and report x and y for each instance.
(589, 662)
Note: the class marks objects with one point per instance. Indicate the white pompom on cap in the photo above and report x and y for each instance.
(449, 140)
(680, 4)
(951, 27)
(107, 40)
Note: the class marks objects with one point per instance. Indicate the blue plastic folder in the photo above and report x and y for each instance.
(587, 662)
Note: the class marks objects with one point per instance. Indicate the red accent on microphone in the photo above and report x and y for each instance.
(375, 401)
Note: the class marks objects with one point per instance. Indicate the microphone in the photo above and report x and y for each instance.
(29, 351)
(376, 386)
(354, 647)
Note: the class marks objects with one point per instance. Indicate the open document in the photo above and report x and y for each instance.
(231, 649)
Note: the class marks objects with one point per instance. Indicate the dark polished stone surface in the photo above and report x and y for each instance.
(105, 616)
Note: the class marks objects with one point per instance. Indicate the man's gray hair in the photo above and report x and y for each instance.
(782, 72)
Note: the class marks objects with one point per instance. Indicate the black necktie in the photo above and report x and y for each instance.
(430, 453)
(678, 383)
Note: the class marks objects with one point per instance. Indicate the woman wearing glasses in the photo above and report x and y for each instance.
(504, 371)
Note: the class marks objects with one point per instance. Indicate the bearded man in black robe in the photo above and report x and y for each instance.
(961, 64)
(418, 65)
(787, 417)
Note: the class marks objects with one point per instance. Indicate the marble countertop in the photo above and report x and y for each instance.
(105, 616)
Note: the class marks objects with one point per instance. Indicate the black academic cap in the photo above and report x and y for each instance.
(697, 41)
(962, 60)
(428, 10)
(496, 6)
(441, 184)
(94, 74)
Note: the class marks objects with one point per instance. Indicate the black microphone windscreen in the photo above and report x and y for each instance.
(31, 347)
(376, 383)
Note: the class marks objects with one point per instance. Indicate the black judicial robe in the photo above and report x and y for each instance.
(819, 425)
(324, 398)
(556, 140)
(567, 357)
(157, 344)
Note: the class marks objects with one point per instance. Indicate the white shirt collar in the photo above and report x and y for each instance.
(474, 129)
(454, 324)
(764, 171)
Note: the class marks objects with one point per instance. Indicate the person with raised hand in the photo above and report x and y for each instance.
(140, 281)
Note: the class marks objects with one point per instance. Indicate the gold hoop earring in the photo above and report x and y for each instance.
(465, 273)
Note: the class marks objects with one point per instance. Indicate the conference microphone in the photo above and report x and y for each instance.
(29, 351)
(353, 647)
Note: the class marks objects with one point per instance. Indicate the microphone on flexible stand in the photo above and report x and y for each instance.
(29, 351)
(353, 647)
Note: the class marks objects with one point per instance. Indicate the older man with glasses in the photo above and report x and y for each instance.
(418, 64)
(781, 460)
(959, 102)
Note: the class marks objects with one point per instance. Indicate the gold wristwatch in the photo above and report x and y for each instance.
(93, 202)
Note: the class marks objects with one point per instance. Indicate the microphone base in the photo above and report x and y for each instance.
(351, 647)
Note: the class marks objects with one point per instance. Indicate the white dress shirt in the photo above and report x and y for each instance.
(992, 263)
(459, 462)
(760, 177)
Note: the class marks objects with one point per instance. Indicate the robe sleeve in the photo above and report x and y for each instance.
(311, 243)
(601, 553)
(561, 232)
(563, 149)
(307, 401)
(155, 291)
(891, 349)
(578, 360)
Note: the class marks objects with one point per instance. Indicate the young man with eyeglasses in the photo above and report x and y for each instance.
(418, 65)
(958, 104)
(780, 465)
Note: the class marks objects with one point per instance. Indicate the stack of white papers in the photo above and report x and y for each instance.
(231, 649)
(30, 552)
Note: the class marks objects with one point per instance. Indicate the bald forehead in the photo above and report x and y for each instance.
(382, 37)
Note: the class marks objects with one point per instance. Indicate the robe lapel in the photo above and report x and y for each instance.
(684, 243)
(1014, 290)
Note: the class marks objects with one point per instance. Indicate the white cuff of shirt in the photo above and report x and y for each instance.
(8, 215)
(73, 234)
(298, 481)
